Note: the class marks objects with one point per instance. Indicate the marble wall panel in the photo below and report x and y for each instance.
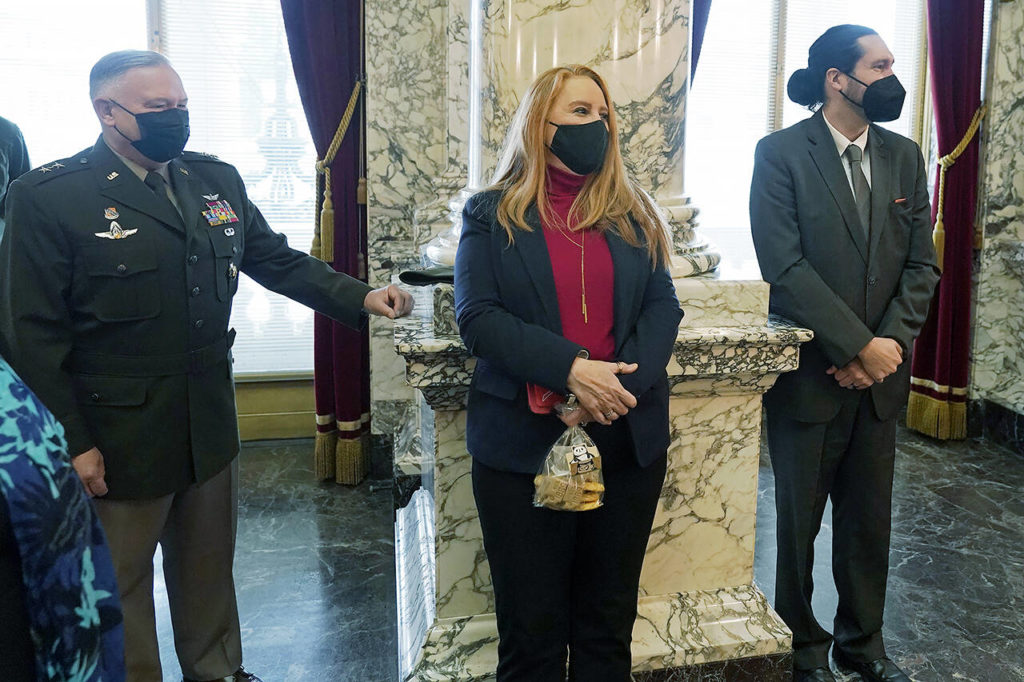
(998, 352)
(639, 46)
(406, 148)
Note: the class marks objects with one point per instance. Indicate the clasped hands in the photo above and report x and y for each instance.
(875, 361)
(600, 394)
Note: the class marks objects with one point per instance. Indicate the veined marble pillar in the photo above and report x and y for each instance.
(641, 49)
(998, 353)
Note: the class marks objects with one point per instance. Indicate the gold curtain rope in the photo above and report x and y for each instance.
(323, 237)
(939, 232)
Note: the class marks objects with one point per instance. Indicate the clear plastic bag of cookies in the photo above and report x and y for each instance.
(570, 478)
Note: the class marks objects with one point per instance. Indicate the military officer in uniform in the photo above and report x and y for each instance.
(119, 266)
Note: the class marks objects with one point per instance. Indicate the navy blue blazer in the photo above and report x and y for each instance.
(508, 317)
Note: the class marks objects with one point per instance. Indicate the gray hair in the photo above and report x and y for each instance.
(113, 65)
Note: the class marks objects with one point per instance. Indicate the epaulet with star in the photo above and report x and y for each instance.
(56, 169)
(202, 156)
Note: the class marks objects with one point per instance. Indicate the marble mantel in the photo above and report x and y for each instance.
(699, 608)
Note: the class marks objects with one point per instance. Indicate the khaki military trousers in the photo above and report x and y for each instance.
(196, 531)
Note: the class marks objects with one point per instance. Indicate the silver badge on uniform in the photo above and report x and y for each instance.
(112, 175)
(111, 213)
(116, 232)
(211, 197)
(229, 231)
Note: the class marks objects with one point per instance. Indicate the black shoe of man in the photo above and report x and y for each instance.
(814, 675)
(238, 676)
(878, 670)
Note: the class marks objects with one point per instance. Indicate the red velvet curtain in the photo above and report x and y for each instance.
(325, 41)
(939, 376)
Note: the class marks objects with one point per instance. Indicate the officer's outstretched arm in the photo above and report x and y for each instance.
(268, 259)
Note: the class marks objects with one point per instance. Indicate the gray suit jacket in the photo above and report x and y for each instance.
(825, 274)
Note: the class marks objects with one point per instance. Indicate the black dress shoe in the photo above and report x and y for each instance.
(242, 676)
(814, 675)
(238, 676)
(878, 670)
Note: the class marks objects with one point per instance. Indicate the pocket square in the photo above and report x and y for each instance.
(900, 200)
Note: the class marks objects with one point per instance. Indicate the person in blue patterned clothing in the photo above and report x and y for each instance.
(60, 617)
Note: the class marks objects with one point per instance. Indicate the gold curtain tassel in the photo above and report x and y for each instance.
(323, 236)
(939, 231)
(327, 226)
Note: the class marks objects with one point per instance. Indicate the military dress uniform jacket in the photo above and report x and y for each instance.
(116, 309)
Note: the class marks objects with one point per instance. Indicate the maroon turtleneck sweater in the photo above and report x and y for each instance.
(595, 333)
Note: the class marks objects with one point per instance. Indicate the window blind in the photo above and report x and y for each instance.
(898, 22)
(727, 113)
(46, 52)
(244, 107)
(733, 98)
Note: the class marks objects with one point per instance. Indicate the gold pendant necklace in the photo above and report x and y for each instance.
(582, 244)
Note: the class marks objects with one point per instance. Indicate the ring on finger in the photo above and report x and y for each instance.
(609, 414)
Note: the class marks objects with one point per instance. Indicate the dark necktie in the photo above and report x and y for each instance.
(156, 182)
(861, 189)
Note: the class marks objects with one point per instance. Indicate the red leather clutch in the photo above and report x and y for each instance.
(542, 400)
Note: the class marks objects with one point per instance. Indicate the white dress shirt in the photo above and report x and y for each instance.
(842, 142)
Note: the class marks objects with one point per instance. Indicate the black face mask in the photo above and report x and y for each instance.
(164, 133)
(882, 100)
(580, 146)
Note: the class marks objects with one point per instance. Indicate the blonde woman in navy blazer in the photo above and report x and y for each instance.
(565, 583)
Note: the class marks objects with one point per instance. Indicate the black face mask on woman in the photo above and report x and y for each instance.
(164, 133)
(580, 146)
(882, 100)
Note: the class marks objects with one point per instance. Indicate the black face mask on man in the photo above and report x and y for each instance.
(580, 146)
(163, 133)
(882, 100)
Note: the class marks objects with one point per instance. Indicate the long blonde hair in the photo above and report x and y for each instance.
(609, 200)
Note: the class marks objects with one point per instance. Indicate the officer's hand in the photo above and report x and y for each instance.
(389, 301)
(89, 467)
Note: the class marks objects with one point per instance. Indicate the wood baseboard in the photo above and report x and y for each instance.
(276, 409)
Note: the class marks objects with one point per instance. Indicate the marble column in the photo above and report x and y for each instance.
(998, 353)
(406, 148)
(641, 49)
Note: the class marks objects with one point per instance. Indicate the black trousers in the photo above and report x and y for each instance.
(565, 583)
(17, 656)
(849, 459)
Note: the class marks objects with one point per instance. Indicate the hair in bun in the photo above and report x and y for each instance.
(835, 48)
(803, 88)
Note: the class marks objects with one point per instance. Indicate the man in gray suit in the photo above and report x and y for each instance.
(840, 217)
